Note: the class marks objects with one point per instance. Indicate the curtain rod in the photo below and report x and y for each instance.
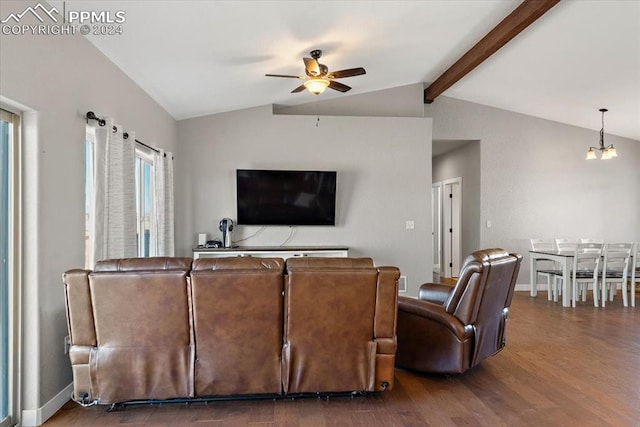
(102, 122)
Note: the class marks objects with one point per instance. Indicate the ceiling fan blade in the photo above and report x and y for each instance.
(284, 75)
(298, 89)
(347, 73)
(339, 86)
(312, 66)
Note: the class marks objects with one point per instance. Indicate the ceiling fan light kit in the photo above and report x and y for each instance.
(608, 152)
(318, 77)
(316, 86)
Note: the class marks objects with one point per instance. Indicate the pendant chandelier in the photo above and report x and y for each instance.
(608, 152)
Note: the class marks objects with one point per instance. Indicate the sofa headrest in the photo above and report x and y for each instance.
(238, 263)
(336, 263)
(144, 264)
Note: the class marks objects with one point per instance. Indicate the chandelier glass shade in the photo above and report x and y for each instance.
(608, 152)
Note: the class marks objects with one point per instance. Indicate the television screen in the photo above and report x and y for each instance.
(285, 197)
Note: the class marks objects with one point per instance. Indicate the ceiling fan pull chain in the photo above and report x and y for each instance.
(317, 113)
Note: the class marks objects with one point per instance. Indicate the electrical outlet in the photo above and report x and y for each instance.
(67, 344)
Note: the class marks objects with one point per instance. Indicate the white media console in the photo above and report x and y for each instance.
(272, 251)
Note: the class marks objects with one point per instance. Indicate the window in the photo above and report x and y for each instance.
(89, 150)
(9, 130)
(146, 218)
(145, 211)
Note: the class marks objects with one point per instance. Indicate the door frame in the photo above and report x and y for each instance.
(14, 266)
(450, 249)
(436, 227)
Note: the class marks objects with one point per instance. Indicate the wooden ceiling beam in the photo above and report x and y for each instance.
(523, 16)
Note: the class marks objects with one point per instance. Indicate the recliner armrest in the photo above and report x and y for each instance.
(435, 292)
(435, 312)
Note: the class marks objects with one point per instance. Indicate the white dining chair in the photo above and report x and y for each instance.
(635, 272)
(615, 270)
(547, 268)
(586, 263)
(591, 241)
(565, 245)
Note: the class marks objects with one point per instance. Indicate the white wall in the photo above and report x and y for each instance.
(535, 181)
(384, 179)
(57, 79)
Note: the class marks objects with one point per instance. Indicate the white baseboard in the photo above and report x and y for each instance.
(36, 417)
(522, 287)
(525, 287)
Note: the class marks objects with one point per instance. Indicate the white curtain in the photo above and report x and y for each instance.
(163, 196)
(114, 206)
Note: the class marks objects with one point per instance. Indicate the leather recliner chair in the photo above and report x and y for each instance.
(125, 341)
(451, 329)
(339, 326)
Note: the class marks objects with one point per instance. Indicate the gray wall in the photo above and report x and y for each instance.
(56, 80)
(535, 181)
(402, 101)
(384, 179)
(464, 162)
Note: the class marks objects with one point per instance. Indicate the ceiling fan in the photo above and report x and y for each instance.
(318, 77)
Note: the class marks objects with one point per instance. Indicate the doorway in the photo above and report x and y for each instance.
(447, 227)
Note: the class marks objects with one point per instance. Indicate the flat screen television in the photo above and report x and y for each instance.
(285, 197)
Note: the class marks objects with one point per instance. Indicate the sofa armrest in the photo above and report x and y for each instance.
(386, 302)
(384, 328)
(80, 322)
(82, 332)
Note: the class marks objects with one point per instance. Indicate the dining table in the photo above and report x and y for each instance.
(565, 260)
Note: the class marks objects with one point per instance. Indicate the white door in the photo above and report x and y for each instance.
(451, 226)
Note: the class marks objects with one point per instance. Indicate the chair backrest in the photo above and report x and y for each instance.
(586, 258)
(330, 308)
(616, 258)
(144, 264)
(141, 319)
(483, 296)
(565, 245)
(591, 241)
(541, 244)
(237, 324)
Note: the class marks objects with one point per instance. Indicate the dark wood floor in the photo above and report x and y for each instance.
(561, 367)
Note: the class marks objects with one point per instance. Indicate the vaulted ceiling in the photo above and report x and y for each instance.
(202, 57)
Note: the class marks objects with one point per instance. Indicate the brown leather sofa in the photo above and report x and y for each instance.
(451, 329)
(169, 328)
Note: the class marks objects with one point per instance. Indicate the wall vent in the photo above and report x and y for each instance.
(402, 284)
